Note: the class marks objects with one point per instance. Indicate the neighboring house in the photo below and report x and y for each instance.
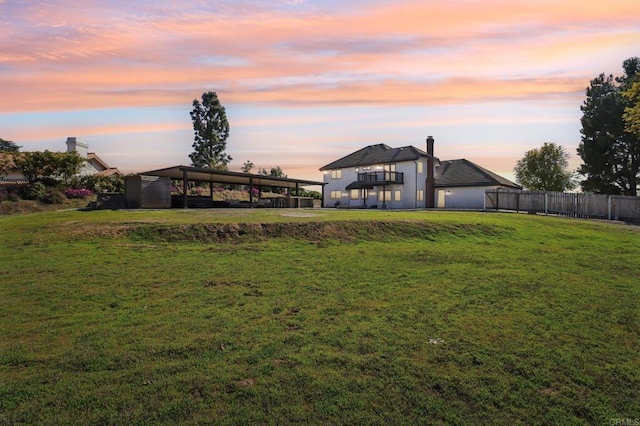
(93, 166)
(406, 178)
(461, 184)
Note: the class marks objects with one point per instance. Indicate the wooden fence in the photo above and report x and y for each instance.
(612, 207)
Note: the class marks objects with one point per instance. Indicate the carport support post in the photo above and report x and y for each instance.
(250, 193)
(298, 195)
(211, 190)
(185, 187)
(384, 198)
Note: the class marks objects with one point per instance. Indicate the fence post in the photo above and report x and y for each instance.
(497, 199)
(609, 207)
(517, 202)
(545, 203)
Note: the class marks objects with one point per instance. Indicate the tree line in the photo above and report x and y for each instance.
(609, 146)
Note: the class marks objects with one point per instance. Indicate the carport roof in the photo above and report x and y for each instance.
(198, 174)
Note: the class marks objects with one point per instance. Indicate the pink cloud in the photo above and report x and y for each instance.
(404, 53)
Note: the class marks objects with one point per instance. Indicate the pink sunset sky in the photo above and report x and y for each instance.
(306, 82)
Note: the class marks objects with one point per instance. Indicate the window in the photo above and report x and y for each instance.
(366, 167)
(389, 172)
(384, 196)
(336, 174)
(420, 195)
(336, 195)
(355, 194)
(420, 167)
(397, 195)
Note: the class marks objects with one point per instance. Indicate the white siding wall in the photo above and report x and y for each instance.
(91, 167)
(348, 176)
(413, 181)
(464, 197)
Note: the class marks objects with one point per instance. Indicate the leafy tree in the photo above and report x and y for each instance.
(68, 165)
(545, 169)
(277, 172)
(306, 193)
(8, 153)
(8, 146)
(100, 184)
(34, 165)
(47, 165)
(247, 167)
(211, 130)
(631, 114)
(610, 151)
(7, 163)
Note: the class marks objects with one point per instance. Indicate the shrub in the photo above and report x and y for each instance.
(77, 193)
(176, 188)
(35, 191)
(102, 184)
(200, 191)
(13, 195)
(11, 192)
(54, 196)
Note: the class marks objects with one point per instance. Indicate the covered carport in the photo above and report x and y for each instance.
(188, 174)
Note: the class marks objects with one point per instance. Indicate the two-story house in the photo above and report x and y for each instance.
(379, 176)
(383, 177)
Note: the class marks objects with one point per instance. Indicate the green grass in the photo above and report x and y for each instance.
(363, 317)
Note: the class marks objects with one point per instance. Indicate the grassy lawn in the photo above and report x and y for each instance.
(317, 317)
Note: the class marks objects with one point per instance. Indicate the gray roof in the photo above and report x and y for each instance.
(377, 154)
(198, 174)
(465, 173)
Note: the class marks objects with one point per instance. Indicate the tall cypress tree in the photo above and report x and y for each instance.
(211, 130)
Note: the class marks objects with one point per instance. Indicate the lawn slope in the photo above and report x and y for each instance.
(317, 317)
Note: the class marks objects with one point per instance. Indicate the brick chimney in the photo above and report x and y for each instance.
(430, 142)
(431, 181)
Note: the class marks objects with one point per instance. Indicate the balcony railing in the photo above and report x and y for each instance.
(382, 177)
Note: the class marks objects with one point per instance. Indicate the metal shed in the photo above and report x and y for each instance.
(147, 192)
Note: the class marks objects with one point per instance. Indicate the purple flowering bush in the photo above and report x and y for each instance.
(77, 193)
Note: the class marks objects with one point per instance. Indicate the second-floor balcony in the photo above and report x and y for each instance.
(382, 178)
